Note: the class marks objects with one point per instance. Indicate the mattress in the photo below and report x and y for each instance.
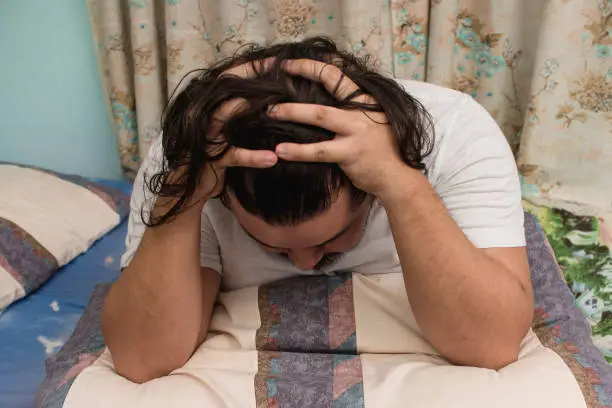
(37, 326)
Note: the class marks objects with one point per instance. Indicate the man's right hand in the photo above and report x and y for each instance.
(213, 175)
(212, 182)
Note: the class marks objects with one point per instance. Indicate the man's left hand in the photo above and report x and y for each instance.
(364, 145)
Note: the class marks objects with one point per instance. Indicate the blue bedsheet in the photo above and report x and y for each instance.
(37, 326)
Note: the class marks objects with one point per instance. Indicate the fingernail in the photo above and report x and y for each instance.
(269, 161)
(282, 150)
(272, 109)
(268, 63)
(287, 64)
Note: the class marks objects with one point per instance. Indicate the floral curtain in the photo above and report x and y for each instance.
(543, 68)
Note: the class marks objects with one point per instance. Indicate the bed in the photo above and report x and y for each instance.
(59, 323)
(38, 325)
(315, 342)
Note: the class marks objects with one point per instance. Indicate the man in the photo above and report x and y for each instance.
(447, 217)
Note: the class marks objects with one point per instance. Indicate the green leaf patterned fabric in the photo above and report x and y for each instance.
(583, 248)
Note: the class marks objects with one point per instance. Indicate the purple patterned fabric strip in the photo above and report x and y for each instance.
(23, 257)
(308, 342)
(308, 314)
(295, 315)
(297, 380)
(80, 351)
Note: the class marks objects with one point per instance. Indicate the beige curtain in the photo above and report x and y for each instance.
(543, 68)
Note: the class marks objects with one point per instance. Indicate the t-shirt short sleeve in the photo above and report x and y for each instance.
(209, 246)
(477, 178)
(141, 201)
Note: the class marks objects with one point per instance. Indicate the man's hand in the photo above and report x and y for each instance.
(211, 182)
(214, 173)
(364, 145)
(448, 280)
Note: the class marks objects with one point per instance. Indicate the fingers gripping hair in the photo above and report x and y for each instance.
(195, 133)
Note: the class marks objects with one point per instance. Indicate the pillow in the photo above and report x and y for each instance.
(46, 220)
(340, 340)
(583, 249)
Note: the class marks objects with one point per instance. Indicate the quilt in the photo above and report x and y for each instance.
(344, 341)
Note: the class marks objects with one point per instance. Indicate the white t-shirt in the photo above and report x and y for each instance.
(471, 168)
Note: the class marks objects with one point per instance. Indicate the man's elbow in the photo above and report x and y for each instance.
(500, 359)
(140, 374)
(139, 364)
(492, 358)
(504, 350)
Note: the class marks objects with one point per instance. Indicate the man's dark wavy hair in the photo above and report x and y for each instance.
(289, 192)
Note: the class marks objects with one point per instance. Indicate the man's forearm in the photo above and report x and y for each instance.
(153, 313)
(470, 307)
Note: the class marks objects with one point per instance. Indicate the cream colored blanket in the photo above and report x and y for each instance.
(343, 341)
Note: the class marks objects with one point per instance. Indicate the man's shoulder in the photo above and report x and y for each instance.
(425, 89)
(438, 100)
(444, 105)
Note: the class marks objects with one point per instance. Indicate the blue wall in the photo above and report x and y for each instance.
(52, 111)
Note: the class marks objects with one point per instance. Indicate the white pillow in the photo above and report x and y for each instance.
(46, 220)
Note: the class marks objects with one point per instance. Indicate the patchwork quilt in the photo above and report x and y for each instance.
(343, 341)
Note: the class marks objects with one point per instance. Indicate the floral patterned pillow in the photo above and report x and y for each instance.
(583, 248)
